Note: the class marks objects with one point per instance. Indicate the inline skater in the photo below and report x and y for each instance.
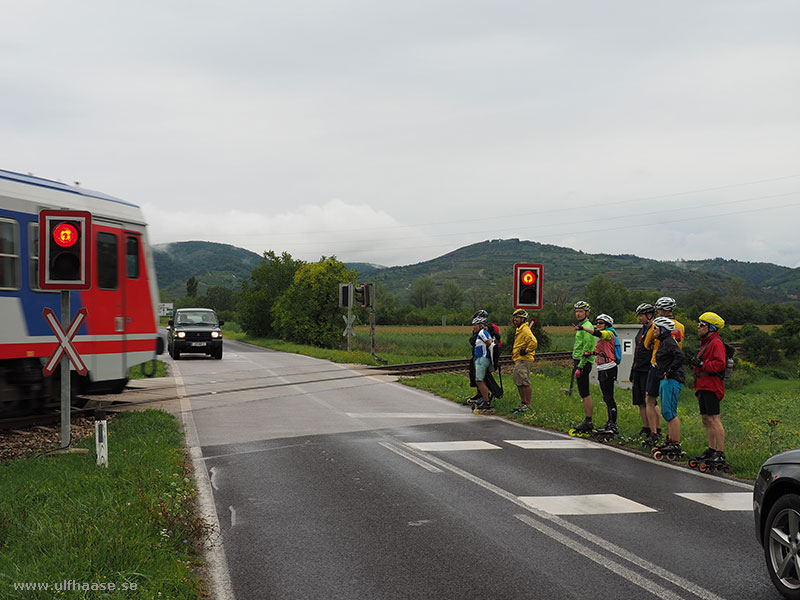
(645, 313)
(522, 354)
(709, 387)
(494, 390)
(664, 306)
(608, 352)
(583, 357)
(482, 352)
(669, 369)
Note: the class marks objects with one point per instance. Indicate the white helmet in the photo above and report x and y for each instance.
(664, 323)
(604, 317)
(666, 303)
(480, 320)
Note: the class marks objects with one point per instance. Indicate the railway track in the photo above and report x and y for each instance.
(447, 366)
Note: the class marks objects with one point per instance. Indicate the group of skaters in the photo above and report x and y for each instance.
(657, 372)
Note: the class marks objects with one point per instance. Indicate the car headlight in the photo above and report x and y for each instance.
(181, 334)
(216, 334)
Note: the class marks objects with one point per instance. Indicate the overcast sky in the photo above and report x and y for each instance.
(395, 132)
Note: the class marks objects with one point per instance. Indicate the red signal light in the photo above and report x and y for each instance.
(528, 277)
(65, 235)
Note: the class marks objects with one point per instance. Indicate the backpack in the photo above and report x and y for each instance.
(494, 330)
(730, 351)
(617, 347)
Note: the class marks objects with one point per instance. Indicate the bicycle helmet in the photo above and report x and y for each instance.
(645, 309)
(581, 304)
(480, 320)
(713, 320)
(520, 313)
(666, 303)
(664, 323)
(606, 318)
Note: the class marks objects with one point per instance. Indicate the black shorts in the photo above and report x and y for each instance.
(708, 401)
(583, 380)
(639, 387)
(653, 382)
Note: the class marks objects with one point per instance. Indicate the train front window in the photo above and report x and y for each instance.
(107, 261)
(9, 255)
(133, 257)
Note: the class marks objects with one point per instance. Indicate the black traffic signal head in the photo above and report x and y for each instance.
(64, 250)
(364, 294)
(527, 286)
(345, 295)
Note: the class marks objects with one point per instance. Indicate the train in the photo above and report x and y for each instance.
(121, 325)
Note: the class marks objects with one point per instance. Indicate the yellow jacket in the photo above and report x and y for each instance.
(524, 338)
(651, 341)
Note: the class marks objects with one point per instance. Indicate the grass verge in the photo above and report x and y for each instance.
(760, 418)
(138, 371)
(131, 525)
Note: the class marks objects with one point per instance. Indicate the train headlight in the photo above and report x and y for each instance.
(181, 334)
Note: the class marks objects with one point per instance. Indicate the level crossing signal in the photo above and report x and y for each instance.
(365, 294)
(528, 286)
(65, 250)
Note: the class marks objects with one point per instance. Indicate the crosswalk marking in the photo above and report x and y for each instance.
(722, 500)
(589, 504)
(448, 446)
(554, 444)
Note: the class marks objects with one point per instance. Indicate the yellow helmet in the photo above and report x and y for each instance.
(713, 319)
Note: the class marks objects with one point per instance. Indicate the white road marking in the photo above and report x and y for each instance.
(554, 444)
(408, 456)
(213, 475)
(453, 446)
(584, 535)
(222, 588)
(742, 501)
(588, 504)
(233, 516)
(408, 415)
(613, 566)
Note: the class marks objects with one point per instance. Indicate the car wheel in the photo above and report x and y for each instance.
(782, 545)
(218, 354)
(175, 354)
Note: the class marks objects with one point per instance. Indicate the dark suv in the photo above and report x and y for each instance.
(776, 507)
(194, 330)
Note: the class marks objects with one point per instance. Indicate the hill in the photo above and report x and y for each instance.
(212, 263)
(490, 263)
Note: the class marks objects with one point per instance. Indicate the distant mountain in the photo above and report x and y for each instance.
(490, 263)
(211, 263)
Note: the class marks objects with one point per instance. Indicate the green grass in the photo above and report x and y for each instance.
(137, 372)
(760, 418)
(64, 518)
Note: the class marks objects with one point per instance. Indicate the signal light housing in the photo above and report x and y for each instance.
(528, 286)
(65, 250)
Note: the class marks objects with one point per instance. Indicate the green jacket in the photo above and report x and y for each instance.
(584, 342)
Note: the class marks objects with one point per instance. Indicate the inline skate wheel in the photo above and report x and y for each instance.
(692, 463)
(703, 467)
(657, 455)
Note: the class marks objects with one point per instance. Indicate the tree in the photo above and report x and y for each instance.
(261, 291)
(423, 292)
(308, 311)
(787, 336)
(452, 296)
(758, 346)
(191, 286)
(606, 297)
(220, 298)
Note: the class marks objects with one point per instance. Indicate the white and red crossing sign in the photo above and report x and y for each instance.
(65, 341)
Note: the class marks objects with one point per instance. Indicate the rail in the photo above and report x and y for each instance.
(461, 364)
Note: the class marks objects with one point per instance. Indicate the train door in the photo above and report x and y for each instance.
(106, 305)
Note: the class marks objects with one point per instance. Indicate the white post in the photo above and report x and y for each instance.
(101, 442)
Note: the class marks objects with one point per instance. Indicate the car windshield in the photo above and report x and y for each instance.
(196, 317)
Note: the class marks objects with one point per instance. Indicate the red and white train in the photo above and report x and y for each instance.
(120, 330)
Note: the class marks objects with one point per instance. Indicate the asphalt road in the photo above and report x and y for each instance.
(329, 482)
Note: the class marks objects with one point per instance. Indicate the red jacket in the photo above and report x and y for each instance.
(709, 376)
